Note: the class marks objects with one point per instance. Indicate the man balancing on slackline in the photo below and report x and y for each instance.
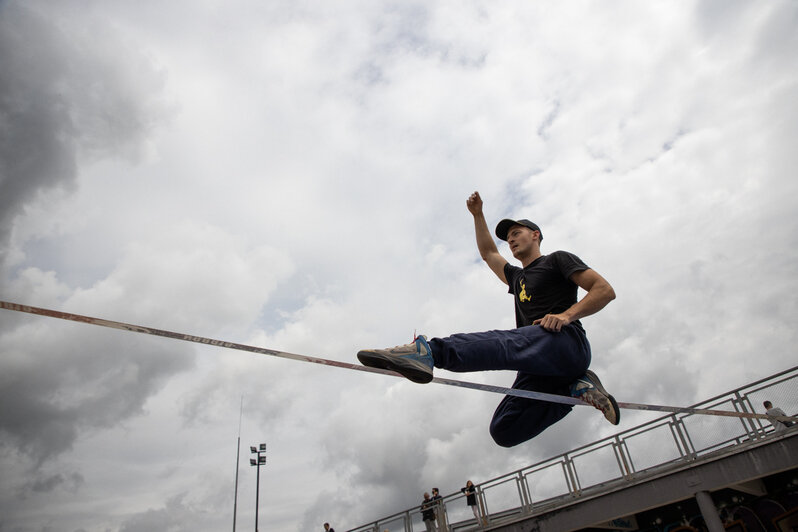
(548, 349)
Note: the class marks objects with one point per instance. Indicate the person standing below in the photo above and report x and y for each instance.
(428, 513)
(471, 498)
(328, 528)
(440, 513)
(771, 410)
(548, 349)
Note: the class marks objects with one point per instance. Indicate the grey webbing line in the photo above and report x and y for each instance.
(528, 394)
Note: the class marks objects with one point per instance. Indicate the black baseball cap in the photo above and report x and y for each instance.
(505, 225)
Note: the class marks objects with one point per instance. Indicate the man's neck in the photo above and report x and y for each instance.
(534, 255)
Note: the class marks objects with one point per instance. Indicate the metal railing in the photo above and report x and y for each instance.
(631, 455)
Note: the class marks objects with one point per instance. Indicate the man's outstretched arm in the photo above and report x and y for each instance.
(487, 247)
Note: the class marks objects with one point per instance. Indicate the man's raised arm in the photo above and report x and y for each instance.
(487, 247)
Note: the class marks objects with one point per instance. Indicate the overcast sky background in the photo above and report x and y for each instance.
(293, 175)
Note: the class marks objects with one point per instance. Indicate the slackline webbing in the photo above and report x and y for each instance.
(325, 362)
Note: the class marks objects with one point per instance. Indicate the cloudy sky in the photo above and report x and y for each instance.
(293, 175)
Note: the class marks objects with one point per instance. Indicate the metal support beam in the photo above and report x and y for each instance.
(709, 512)
(753, 487)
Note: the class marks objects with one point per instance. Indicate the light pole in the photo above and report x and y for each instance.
(261, 452)
(238, 466)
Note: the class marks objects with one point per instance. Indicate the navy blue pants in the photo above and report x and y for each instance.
(545, 361)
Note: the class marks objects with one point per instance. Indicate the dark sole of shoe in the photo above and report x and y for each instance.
(593, 377)
(617, 409)
(405, 368)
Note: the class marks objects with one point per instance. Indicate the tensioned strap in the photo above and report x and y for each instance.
(528, 394)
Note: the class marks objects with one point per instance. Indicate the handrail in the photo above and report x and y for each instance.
(685, 429)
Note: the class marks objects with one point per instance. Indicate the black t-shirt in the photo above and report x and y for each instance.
(544, 287)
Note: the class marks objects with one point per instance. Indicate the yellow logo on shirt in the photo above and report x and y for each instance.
(522, 296)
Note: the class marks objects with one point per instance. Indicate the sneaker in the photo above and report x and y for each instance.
(588, 388)
(413, 361)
